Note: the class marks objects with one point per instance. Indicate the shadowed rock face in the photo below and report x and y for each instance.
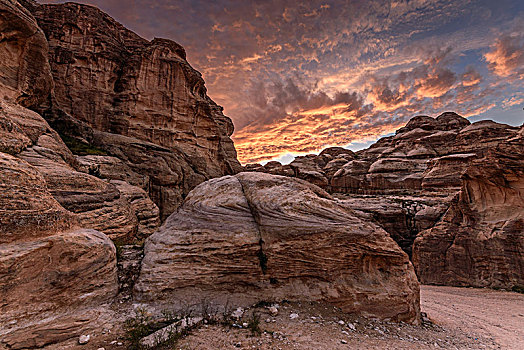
(255, 236)
(138, 100)
(480, 240)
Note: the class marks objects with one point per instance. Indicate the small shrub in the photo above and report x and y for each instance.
(138, 327)
(254, 324)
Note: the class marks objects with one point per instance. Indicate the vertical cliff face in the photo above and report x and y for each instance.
(134, 99)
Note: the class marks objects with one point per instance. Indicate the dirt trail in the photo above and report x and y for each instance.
(488, 313)
(462, 318)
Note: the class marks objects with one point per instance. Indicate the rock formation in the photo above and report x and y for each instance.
(407, 182)
(146, 120)
(255, 237)
(59, 189)
(53, 274)
(480, 240)
(137, 100)
(103, 134)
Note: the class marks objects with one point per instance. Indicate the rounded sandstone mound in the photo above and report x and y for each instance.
(253, 237)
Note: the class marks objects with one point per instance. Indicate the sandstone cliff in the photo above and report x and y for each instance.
(137, 100)
(480, 240)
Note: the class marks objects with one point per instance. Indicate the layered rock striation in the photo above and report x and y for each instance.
(54, 275)
(255, 237)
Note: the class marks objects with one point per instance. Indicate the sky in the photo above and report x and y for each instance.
(299, 76)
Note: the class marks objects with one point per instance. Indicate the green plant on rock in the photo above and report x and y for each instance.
(81, 148)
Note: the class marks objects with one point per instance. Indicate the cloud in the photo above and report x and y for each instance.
(506, 58)
(293, 118)
(470, 77)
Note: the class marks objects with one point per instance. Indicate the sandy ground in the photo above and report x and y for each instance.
(493, 314)
(459, 318)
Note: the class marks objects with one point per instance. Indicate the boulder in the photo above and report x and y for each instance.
(254, 236)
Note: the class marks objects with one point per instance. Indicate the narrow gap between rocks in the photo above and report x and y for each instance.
(262, 257)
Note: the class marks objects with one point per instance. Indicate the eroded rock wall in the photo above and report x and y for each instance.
(54, 275)
(480, 240)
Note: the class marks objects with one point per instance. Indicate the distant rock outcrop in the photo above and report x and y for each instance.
(254, 237)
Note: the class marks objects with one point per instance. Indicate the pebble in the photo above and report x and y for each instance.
(293, 316)
(273, 310)
(343, 341)
(351, 326)
(245, 324)
(238, 313)
(341, 322)
(84, 339)
(101, 349)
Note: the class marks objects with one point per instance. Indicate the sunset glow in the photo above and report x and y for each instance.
(296, 77)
